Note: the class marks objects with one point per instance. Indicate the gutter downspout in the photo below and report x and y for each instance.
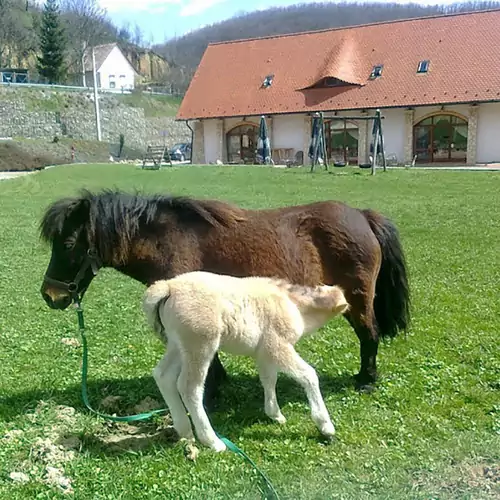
(192, 139)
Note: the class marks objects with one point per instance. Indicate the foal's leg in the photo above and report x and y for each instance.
(289, 361)
(361, 316)
(166, 374)
(216, 375)
(268, 375)
(190, 384)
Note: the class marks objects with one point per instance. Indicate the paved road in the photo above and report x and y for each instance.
(12, 175)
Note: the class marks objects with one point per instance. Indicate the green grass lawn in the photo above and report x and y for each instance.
(430, 431)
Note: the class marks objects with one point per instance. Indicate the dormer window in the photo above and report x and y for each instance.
(423, 66)
(331, 81)
(268, 81)
(376, 71)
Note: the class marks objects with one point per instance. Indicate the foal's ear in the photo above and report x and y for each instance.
(339, 302)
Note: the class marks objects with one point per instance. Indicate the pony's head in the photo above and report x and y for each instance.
(73, 263)
(102, 229)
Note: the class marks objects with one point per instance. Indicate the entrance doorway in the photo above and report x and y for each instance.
(440, 138)
(342, 139)
(242, 144)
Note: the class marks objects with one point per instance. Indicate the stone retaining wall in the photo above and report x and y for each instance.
(76, 119)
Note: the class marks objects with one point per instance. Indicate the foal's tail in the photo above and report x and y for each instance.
(392, 291)
(154, 297)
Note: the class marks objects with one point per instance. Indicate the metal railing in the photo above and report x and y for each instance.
(79, 88)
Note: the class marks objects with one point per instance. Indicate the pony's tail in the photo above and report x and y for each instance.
(155, 296)
(392, 291)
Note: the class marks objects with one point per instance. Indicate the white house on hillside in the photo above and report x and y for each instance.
(113, 69)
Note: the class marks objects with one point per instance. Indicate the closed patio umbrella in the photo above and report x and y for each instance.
(317, 151)
(263, 143)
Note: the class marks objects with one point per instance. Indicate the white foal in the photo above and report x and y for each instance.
(199, 313)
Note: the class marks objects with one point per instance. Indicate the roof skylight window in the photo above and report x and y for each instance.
(268, 81)
(423, 66)
(376, 71)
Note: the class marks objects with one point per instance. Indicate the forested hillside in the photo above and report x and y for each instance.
(86, 21)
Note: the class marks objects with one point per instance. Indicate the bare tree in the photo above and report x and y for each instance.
(124, 33)
(17, 35)
(6, 26)
(86, 21)
(138, 37)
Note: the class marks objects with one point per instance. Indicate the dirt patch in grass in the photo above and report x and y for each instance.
(51, 447)
(466, 480)
(13, 158)
(483, 477)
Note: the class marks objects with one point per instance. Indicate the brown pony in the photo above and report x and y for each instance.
(158, 237)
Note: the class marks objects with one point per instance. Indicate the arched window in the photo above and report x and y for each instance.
(342, 141)
(440, 138)
(242, 144)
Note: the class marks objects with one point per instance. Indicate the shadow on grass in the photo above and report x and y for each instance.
(241, 394)
(238, 404)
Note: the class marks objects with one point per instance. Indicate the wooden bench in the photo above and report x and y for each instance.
(155, 154)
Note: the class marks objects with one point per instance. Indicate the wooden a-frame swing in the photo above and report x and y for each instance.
(377, 136)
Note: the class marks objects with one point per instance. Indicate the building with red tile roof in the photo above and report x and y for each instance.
(435, 79)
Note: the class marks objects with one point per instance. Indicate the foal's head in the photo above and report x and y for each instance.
(324, 298)
(65, 225)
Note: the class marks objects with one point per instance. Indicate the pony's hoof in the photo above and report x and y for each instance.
(364, 383)
(365, 388)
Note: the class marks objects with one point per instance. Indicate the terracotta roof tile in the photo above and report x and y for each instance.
(462, 50)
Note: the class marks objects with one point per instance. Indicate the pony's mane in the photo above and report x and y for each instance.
(113, 217)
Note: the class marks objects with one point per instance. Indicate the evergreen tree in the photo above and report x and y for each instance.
(51, 63)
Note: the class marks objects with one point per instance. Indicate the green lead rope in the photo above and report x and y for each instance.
(270, 492)
(85, 367)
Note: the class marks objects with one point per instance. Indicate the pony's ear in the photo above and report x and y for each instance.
(79, 211)
(74, 210)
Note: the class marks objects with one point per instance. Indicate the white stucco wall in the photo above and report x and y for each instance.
(210, 138)
(230, 123)
(288, 131)
(393, 128)
(488, 133)
(462, 109)
(116, 68)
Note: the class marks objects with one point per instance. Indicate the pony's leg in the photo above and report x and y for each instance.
(166, 374)
(268, 375)
(288, 360)
(190, 385)
(361, 316)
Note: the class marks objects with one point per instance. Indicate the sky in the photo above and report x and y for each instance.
(163, 19)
